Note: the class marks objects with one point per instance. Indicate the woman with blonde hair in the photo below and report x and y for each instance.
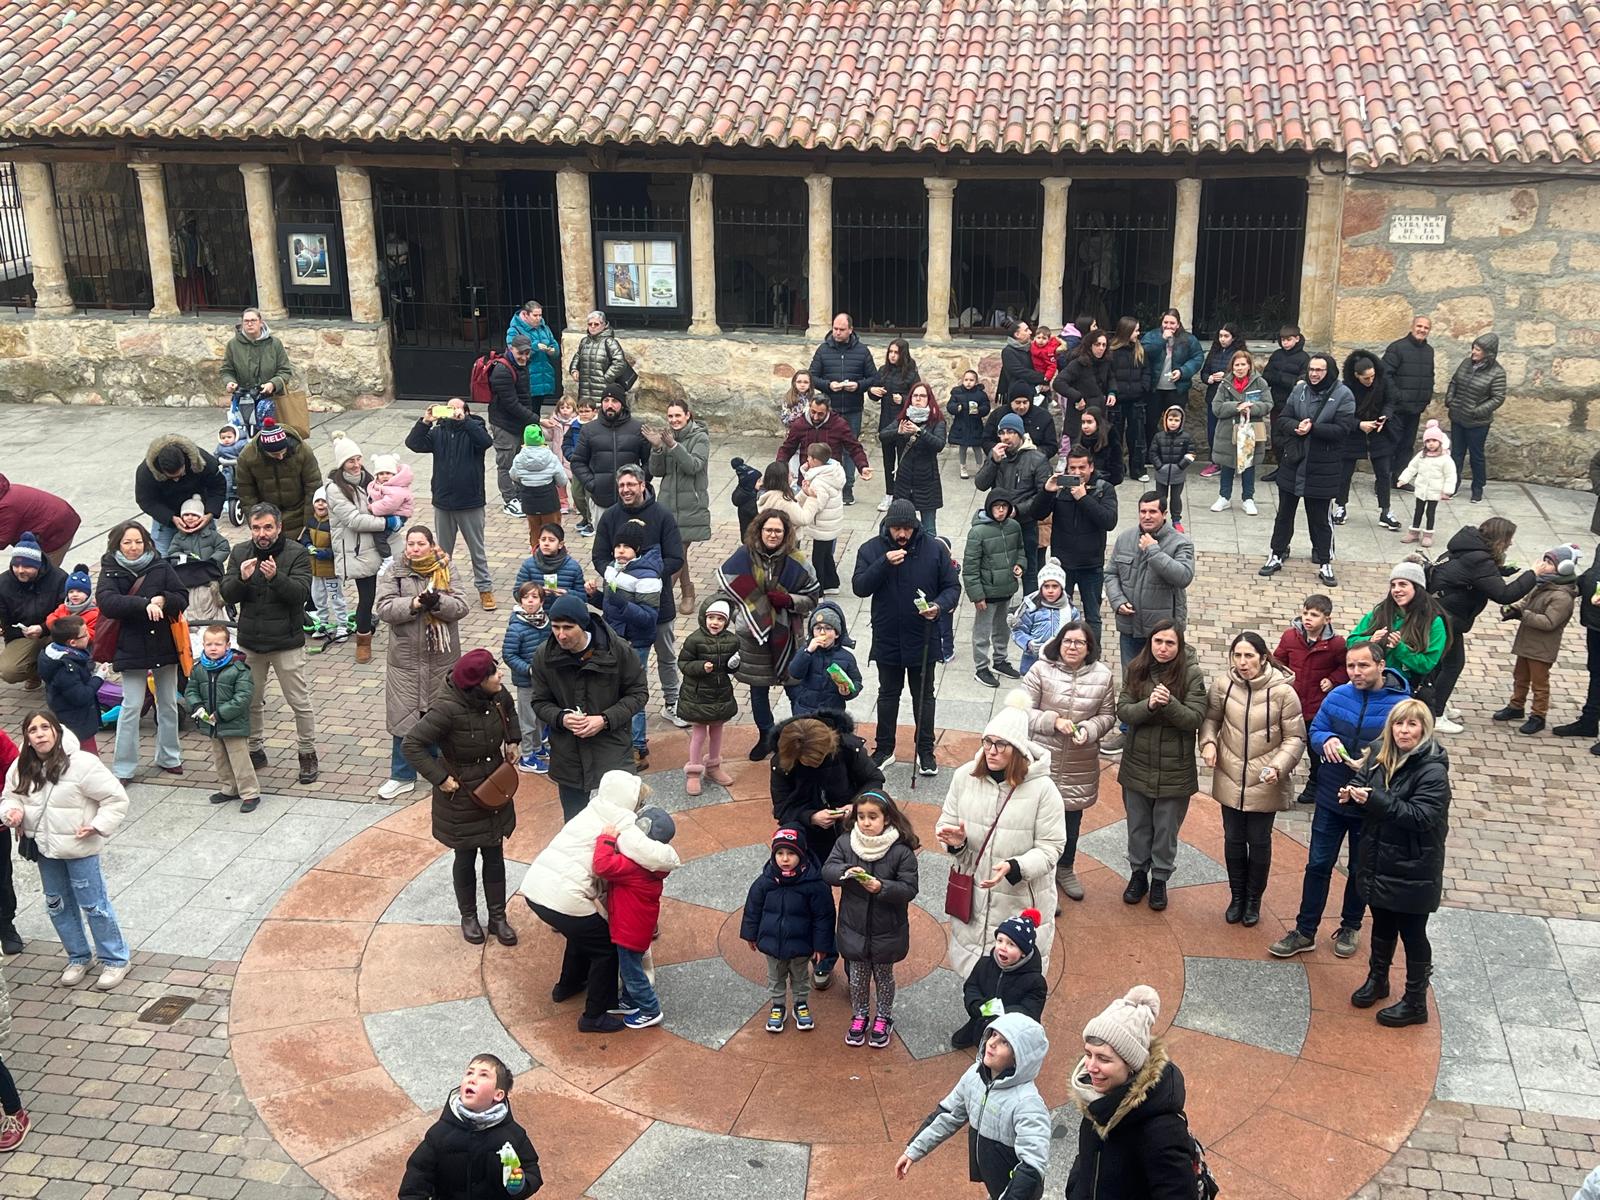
(1240, 405)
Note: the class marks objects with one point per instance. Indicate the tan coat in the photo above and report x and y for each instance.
(412, 672)
(1088, 698)
(1545, 613)
(1253, 725)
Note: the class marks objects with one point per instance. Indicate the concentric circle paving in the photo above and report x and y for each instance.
(358, 1003)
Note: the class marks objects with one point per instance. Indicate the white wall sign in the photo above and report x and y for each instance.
(1417, 229)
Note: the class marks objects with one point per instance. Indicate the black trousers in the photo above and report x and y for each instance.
(1382, 480)
(590, 959)
(366, 595)
(1451, 664)
(890, 681)
(1410, 928)
(8, 893)
(1402, 431)
(1316, 519)
(1591, 702)
(822, 559)
(464, 875)
(1252, 829)
(1069, 853)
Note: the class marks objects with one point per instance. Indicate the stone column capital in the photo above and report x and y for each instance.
(146, 170)
(263, 239)
(157, 238)
(939, 188)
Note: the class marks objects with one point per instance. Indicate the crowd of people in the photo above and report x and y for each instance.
(179, 621)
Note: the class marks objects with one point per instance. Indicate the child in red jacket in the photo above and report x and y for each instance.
(79, 601)
(634, 902)
(1043, 352)
(1315, 653)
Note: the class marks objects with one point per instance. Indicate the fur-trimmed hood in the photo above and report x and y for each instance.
(1156, 1089)
(192, 453)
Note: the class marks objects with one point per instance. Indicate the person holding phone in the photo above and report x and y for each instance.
(1364, 376)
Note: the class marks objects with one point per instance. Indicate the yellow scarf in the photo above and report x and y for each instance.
(435, 570)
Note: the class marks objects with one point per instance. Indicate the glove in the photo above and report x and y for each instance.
(430, 600)
(392, 523)
(1510, 614)
(779, 598)
(733, 661)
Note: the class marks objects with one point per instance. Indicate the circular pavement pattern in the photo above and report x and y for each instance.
(358, 1004)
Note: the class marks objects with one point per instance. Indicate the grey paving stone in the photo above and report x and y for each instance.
(1109, 845)
(425, 1049)
(318, 806)
(1556, 1060)
(720, 881)
(933, 875)
(667, 791)
(244, 884)
(193, 931)
(969, 715)
(203, 853)
(150, 900)
(1469, 1026)
(1476, 1081)
(1266, 1004)
(123, 862)
(1519, 940)
(671, 1162)
(164, 826)
(1450, 930)
(928, 1011)
(1064, 1122)
(1591, 1016)
(294, 838)
(706, 1001)
(429, 899)
(1535, 996)
(1582, 964)
(1568, 932)
(1562, 1104)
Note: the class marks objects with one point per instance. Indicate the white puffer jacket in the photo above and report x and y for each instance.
(1088, 698)
(1032, 831)
(563, 877)
(86, 794)
(355, 531)
(826, 508)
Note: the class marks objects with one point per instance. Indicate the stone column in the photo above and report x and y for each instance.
(702, 255)
(1053, 252)
(263, 239)
(157, 238)
(819, 267)
(941, 222)
(38, 193)
(577, 251)
(1320, 260)
(360, 244)
(1185, 246)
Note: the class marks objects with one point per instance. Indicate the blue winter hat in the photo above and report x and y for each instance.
(572, 609)
(79, 581)
(1012, 422)
(27, 551)
(1022, 929)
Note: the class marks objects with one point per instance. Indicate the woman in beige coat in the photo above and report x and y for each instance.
(1252, 737)
(423, 613)
(1074, 705)
(1004, 824)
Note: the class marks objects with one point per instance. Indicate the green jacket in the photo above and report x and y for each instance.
(225, 693)
(1414, 665)
(682, 480)
(991, 553)
(289, 482)
(1158, 756)
(250, 364)
(707, 696)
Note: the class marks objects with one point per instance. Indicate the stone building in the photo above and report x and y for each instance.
(388, 180)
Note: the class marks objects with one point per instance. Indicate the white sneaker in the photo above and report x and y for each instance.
(73, 975)
(1446, 725)
(110, 977)
(1249, 508)
(1221, 504)
(391, 789)
(1145, 478)
(883, 505)
(1451, 711)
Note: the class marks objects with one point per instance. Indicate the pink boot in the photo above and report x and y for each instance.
(1427, 540)
(691, 778)
(1410, 535)
(716, 774)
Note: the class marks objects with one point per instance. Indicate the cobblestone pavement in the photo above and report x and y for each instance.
(1525, 842)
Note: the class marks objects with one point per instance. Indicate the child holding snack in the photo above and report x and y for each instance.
(825, 671)
(219, 693)
(788, 916)
(1008, 979)
(707, 661)
(551, 566)
(633, 900)
(475, 1150)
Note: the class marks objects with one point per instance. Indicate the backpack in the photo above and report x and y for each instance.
(1205, 1184)
(480, 390)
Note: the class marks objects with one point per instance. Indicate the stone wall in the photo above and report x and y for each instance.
(1523, 261)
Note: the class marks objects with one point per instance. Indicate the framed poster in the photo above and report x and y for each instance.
(309, 254)
(641, 271)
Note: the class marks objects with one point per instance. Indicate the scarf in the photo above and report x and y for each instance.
(486, 1119)
(353, 479)
(1081, 1087)
(216, 664)
(1239, 385)
(137, 565)
(747, 579)
(869, 848)
(79, 609)
(433, 569)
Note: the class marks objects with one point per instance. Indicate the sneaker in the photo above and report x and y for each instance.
(1477, 497)
(601, 1024)
(821, 980)
(928, 765)
(849, 497)
(528, 763)
(802, 1016)
(1389, 521)
(856, 1035)
(986, 677)
(1178, 525)
(1250, 508)
(878, 1039)
(1575, 729)
(1113, 742)
(1145, 478)
(1004, 668)
(1326, 576)
(1346, 942)
(513, 508)
(393, 789)
(585, 529)
(1534, 724)
(642, 1020)
(883, 505)
(1454, 713)
(623, 1009)
(1206, 472)
(775, 1018)
(1158, 895)
(221, 798)
(250, 805)
(1272, 566)
(110, 977)
(964, 475)
(1222, 504)
(1446, 725)
(670, 712)
(1508, 713)
(885, 758)
(1292, 943)
(541, 762)
(73, 975)
(1338, 513)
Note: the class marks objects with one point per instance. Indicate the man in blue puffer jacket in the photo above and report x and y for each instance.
(1351, 719)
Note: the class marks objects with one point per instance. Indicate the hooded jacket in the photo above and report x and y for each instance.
(142, 644)
(1356, 717)
(1284, 369)
(161, 497)
(660, 532)
(289, 482)
(1311, 661)
(873, 928)
(1079, 528)
(1020, 474)
(71, 688)
(1543, 614)
(252, 363)
(562, 877)
(1408, 364)
(523, 637)
(850, 361)
(1477, 389)
(1134, 1142)
(900, 636)
(993, 549)
(538, 472)
(633, 893)
(1086, 696)
(1021, 988)
(1225, 407)
(1406, 819)
(26, 509)
(1154, 581)
(1035, 621)
(458, 448)
(1315, 468)
(271, 611)
(1371, 403)
(707, 696)
(800, 793)
(543, 367)
(1038, 428)
(790, 916)
(1158, 756)
(1085, 379)
(455, 1161)
(469, 727)
(1589, 586)
(605, 444)
(682, 474)
(1253, 724)
(414, 670)
(835, 433)
(631, 599)
(1016, 367)
(1008, 1135)
(824, 508)
(86, 794)
(814, 690)
(967, 407)
(599, 362)
(603, 679)
(1466, 578)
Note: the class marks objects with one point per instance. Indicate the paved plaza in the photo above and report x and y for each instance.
(334, 1002)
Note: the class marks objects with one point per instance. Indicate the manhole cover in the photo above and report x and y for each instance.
(166, 1010)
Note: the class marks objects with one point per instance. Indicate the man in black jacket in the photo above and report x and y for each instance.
(269, 578)
(1037, 422)
(1084, 508)
(611, 441)
(1408, 376)
(840, 369)
(510, 412)
(1019, 469)
(29, 592)
(458, 445)
(174, 468)
(1016, 363)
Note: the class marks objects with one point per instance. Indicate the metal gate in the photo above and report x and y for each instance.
(1119, 252)
(457, 262)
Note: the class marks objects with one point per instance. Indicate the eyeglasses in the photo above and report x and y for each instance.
(994, 743)
(1073, 642)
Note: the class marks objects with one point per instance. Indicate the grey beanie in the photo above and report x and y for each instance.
(656, 823)
(1411, 571)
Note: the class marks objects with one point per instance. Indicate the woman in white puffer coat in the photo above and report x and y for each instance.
(69, 802)
(1004, 823)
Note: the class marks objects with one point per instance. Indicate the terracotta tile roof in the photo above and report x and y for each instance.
(1382, 81)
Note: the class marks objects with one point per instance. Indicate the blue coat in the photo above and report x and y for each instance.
(814, 690)
(542, 366)
(901, 638)
(625, 605)
(70, 687)
(457, 448)
(567, 570)
(522, 641)
(789, 918)
(1187, 356)
(1356, 718)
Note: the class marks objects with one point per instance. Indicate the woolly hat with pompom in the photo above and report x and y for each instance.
(1010, 724)
(1125, 1025)
(1023, 930)
(344, 448)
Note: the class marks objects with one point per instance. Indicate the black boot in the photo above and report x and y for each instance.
(1412, 1008)
(1256, 885)
(494, 894)
(467, 906)
(10, 940)
(1138, 885)
(1238, 866)
(1377, 985)
(308, 768)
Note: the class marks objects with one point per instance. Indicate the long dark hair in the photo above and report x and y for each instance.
(1259, 645)
(776, 478)
(935, 414)
(1145, 672)
(1102, 430)
(336, 477)
(894, 816)
(1417, 624)
(1233, 331)
(1497, 533)
(33, 772)
(1085, 347)
(907, 365)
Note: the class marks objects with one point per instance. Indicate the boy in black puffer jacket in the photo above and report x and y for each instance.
(475, 1149)
(1008, 980)
(788, 916)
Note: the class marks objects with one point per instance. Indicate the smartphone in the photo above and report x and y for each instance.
(441, 412)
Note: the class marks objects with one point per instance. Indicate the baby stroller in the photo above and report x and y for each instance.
(230, 500)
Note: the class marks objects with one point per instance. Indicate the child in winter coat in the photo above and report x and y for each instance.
(875, 868)
(71, 688)
(991, 572)
(816, 668)
(633, 903)
(199, 553)
(1171, 455)
(1008, 1135)
(630, 601)
(707, 660)
(967, 407)
(218, 694)
(475, 1150)
(1543, 613)
(526, 631)
(1043, 350)
(1008, 980)
(777, 493)
(550, 566)
(1432, 473)
(539, 476)
(79, 602)
(947, 619)
(747, 484)
(1040, 615)
(788, 916)
(1315, 653)
(1098, 435)
(822, 502)
(556, 427)
(389, 496)
(327, 589)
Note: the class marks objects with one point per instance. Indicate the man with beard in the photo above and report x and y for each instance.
(821, 424)
(611, 441)
(1317, 419)
(1034, 414)
(278, 468)
(1408, 369)
(269, 578)
(1018, 468)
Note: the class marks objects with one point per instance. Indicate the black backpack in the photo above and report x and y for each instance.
(1205, 1184)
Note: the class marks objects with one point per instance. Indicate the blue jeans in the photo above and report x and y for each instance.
(1090, 583)
(1131, 646)
(639, 742)
(636, 989)
(168, 754)
(71, 884)
(1328, 829)
(1247, 482)
(162, 535)
(1465, 440)
(399, 768)
(930, 521)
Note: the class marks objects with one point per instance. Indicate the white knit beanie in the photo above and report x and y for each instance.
(344, 448)
(1053, 571)
(1125, 1025)
(1010, 724)
(382, 463)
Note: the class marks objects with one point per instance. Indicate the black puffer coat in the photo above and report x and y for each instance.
(457, 1162)
(608, 681)
(901, 637)
(458, 448)
(470, 727)
(1022, 989)
(30, 603)
(272, 612)
(1284, 369)
(1016, 366)
(873, 928)
(847, 363)
(142, 644)
(1466, 578)
(1409, 366)
(896, 379)
(1134, 1142)
(1320, 468)
(916, 476)
(800, 793)
(1371, 403)
(1476, 390)
(1130, 378)
(605, 444)
(161, 497)
(1087, 379)
(1400, 866)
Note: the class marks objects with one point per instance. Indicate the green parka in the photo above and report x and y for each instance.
(224, 693)
(993, 549)
(289, 482)
(1158, 757)
(252, 363)
(682, 480)
(707, 696)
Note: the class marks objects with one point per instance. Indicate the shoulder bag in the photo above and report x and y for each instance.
(108, 629)
(500, 789)
(958, 892)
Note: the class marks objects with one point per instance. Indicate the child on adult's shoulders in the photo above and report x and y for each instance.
(476, 1149)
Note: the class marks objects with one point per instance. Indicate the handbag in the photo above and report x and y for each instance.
(108, 629)
(627, 377)
(500, 789)
(179, 626)
(958, 893)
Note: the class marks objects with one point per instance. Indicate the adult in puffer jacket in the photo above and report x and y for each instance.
(1310, 432)
(1473, 394)
(613, 439)
(279, 468)
(598, 362)
(1252, 737)
(1408, 363)
(1467, 577)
